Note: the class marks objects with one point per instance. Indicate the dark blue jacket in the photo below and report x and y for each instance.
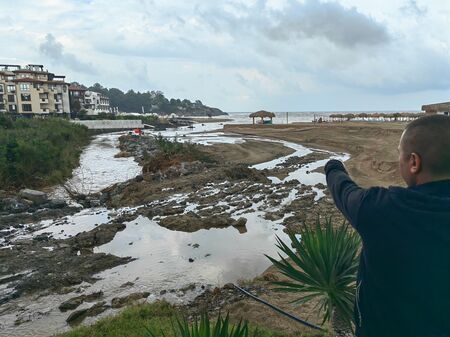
(403, 284)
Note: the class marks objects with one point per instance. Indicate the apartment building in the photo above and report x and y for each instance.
(96, 103)
(32, 90)
(76, 98)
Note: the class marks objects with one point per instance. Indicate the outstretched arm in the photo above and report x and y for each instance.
(347, 195)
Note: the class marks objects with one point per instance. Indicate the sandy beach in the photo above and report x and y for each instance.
(372, 146)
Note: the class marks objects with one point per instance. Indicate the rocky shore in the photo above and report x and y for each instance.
(185, 196)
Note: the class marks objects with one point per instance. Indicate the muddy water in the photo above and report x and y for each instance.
(165, 260)
(98, 167)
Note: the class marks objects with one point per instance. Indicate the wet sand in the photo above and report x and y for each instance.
(372, 146)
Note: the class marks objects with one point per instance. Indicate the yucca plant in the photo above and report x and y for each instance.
(204, 328)
(322, 265)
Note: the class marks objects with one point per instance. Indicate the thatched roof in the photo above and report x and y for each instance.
(263, 114)
(437, 107)
(363, 115)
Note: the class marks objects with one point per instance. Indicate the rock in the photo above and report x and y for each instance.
(191, 222)
(195, 245)
(119, 302)
(138, 178)
(57, 203)
(229, 286)
(189, 287)
(13, 205)
(240, 222)
(240, 225)
(127, 284)
(273, 216)
(98, 236)
(163, 292)
(94, 202)
(78, 316)
(191, 260)
(74, 302)
(36, 197)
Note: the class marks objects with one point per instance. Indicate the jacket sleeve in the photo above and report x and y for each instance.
(347, 195)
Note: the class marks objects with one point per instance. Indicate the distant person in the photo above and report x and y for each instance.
(403, 287)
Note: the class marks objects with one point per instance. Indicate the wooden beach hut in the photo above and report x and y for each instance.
(266, 116)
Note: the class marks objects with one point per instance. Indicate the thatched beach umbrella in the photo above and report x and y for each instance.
(262, 114)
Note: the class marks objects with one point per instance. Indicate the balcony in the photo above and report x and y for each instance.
(43, 100)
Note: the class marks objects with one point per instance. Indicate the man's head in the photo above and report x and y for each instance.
(424, 150)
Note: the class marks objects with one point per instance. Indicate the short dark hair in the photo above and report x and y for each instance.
(429, 137)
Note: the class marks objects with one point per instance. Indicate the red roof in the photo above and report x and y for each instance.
(76, 88)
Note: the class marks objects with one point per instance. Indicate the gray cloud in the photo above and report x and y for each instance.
(331, 21)
(412, 8)
(54, 50)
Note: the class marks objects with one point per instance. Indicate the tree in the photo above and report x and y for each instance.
(323, 265)
(76, 106)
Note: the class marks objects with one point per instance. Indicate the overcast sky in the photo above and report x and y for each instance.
(243, 55)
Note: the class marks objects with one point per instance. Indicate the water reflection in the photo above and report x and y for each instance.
(219, 255)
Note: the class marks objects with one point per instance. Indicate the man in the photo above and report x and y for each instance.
(403, 286)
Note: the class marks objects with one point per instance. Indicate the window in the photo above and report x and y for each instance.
(26, 97)
(12, 107)
(11, 88)
(1, 87)
(76, 94)
(24, 86)
(26, 107)
(37, 86)
(11, 98)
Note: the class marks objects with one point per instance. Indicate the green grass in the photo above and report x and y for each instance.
(39, 152)
(158, 316)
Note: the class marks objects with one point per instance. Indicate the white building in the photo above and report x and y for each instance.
(96, 103)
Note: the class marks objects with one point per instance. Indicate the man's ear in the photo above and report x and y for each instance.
(415, 163)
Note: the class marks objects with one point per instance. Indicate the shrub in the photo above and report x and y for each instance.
(204, 328)
(39, 152)
(322, 265)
